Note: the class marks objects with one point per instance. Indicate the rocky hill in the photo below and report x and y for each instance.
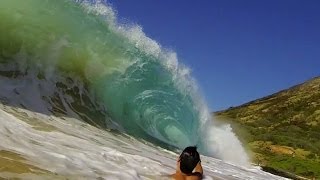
(282, 130)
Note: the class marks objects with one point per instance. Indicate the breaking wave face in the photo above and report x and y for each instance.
(73, 58)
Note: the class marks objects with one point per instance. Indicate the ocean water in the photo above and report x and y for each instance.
(84, 97)
(66, 148)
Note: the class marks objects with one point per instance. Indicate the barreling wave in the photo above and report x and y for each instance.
(73, 58)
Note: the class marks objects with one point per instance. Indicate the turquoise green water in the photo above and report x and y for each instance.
(139, 84)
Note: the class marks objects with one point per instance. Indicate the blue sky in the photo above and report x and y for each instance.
(238, 50)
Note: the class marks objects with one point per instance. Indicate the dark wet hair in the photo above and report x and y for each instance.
(189, 159)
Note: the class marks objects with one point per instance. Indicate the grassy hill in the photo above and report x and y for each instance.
(282, 130)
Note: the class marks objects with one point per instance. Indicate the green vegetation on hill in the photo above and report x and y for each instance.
(282, 130)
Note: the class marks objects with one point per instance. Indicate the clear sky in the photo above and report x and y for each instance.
(238, 50)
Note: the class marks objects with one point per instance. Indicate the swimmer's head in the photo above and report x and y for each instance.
(189, 159)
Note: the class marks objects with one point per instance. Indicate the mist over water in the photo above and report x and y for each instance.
(142, 86)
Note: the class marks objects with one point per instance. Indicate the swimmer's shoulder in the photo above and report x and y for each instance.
(160, 177)
(193, 176)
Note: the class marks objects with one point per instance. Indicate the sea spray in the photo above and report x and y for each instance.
(229, 149)
(143, 88)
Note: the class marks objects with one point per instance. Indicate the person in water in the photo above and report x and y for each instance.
(188, 165)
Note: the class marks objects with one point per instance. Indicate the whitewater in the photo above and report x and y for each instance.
(86, 97)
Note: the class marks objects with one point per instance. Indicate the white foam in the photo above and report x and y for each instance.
(230, 149)
(75, 149)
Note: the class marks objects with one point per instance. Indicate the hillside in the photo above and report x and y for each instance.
(282, 130)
